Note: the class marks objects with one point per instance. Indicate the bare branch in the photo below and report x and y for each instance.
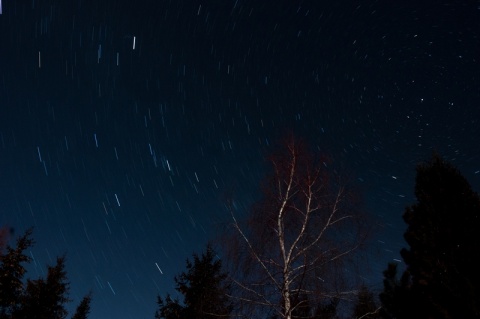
(370, 313)
(295, 236)
(237, 227)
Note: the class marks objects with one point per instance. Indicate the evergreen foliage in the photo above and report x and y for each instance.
(203, 288)
(46, 298)
(12, 271)
(397, 300)
(43, 298)
(83, 308)
(441, 279)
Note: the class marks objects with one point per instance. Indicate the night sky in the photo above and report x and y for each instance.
(124, 123)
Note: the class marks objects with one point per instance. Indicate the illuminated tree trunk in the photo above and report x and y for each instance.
(303, 227)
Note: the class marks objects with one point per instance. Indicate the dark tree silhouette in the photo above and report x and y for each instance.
(397, 300)
(12, 271)
(35, 299)
(203, 288)
(441, 273)
(327, 309)
(46, 298)
(4, 236)
(83, 308)
(365, 306)
(304, 308)
(294, 245)
(169, 308)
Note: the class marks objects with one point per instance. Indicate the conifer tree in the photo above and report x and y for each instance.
(43, 298)
(203, 288)
(4, 236)
(441, 276)
(169, 309)
(83, 308)
(46, 299)
(396, 298)
(12, 271)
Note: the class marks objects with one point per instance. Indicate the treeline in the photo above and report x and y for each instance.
(294, 254)
(42, 298)
(297, 252)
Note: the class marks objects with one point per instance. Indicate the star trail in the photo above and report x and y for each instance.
(123, 124)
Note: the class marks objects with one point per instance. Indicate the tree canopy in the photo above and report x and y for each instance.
(203, 288)
(42, 298)
(292, 248)
(441, 279)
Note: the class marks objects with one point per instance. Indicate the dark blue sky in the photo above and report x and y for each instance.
(123, 123)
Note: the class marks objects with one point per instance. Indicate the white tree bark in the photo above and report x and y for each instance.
(308, 219)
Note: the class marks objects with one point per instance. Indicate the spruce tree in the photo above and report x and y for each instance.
(12, 271)
(46, 298)
(203, 287)
(34, 299)
(443, 281)
(83, 308)
(169, 309)
(397, 299)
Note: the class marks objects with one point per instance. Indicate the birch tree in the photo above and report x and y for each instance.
(291, 250)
